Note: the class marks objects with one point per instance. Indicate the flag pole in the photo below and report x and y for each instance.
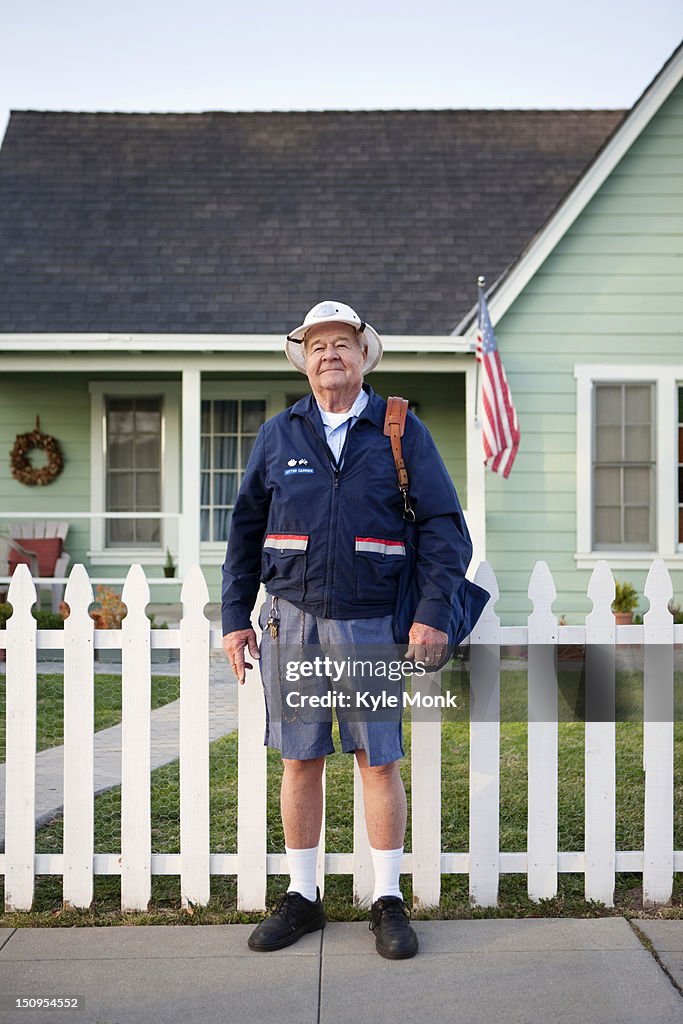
(481, 284)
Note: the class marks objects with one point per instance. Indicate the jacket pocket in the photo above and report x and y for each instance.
(284, 559)
(378, 564)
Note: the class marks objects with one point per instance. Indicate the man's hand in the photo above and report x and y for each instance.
(234, 644)
(426, 644)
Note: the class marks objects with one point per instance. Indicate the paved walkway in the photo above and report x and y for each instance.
(164, 739)
(531, 971)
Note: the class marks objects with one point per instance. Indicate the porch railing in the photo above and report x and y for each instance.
(187, 551)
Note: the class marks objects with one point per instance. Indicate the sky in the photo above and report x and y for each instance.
(167, 55)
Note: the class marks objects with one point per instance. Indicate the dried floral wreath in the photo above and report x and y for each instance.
(20, 464)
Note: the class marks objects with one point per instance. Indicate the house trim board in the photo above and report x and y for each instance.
(205, 343)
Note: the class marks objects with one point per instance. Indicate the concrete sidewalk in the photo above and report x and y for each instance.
(521, 971)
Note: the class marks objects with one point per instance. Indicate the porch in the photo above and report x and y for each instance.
(154, 452)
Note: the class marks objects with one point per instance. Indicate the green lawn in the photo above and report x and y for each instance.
(513, 901)
(50, 712)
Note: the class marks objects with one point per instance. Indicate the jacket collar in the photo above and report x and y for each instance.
(374, 411)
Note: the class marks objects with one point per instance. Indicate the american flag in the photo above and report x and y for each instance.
(500, 427)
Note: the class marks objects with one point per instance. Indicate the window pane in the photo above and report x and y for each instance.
(680, 443)
(224, 488)
(637, 399)
(637, 486)
(637, 442)
(225, 417)
(607, 404)
(120, 450)
(637, 525)
(607, 526)
(148, 531)
(253, 415)
(221, 523)
(120, 492)
(147, 422)
(205, 498)
(119, 405)
(148, 451)
(147, 491)
(206, 417)
(608, 444)
(206, 453)
(120, 531)
(205, 523)
(607, 486)
(148, 404)
(120, 416)
(225, 452)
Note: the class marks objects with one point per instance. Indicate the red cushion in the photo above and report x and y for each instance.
(48, 550)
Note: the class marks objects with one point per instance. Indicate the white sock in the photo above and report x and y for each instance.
(302, 869)
(387, 865)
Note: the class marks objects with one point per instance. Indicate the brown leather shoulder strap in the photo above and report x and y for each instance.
(394, 426)
(397, 412)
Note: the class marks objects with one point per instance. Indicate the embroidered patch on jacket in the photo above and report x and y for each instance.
(286, 541)
(380, 546)
(298, 466)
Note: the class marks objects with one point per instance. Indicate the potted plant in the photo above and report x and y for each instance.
(169, 565)
(625, 603)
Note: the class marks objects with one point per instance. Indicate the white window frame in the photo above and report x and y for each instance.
(666, 380)
(169, 390)
(275, 394)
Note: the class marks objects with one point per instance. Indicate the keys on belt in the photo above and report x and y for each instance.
(273, 620)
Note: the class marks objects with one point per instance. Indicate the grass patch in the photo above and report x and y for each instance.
(50, 707)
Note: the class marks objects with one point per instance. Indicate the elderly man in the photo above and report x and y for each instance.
(319, 520)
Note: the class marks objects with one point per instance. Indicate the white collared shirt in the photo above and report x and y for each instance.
(337, 424)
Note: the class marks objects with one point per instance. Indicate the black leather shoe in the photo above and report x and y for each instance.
(293, 917)
(395, 937)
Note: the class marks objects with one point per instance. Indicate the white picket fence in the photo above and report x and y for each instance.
(195, 864)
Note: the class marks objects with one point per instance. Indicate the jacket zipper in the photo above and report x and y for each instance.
(331, 550)
(332, 517)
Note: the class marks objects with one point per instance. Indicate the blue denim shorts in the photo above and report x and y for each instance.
(301, 734)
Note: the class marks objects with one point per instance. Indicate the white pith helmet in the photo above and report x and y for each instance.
(328, 312)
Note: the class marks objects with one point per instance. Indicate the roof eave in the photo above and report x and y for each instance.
(106, 344)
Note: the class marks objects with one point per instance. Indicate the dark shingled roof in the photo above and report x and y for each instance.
(239, 222)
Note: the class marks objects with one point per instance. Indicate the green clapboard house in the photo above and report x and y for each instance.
(151, 266)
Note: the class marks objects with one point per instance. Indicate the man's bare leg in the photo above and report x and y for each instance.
(384, 797)
(301, 802)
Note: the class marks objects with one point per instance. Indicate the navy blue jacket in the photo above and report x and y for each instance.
(330, 540)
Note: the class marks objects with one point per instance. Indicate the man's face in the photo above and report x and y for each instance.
(334, 358)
